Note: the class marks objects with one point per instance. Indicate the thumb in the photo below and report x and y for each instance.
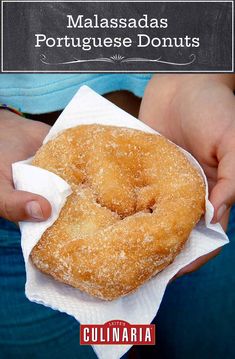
(223, 194)
(22, 206)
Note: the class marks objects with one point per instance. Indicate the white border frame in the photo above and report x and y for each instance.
(118, 71)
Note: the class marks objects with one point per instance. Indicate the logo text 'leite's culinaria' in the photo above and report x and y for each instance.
(117, 332)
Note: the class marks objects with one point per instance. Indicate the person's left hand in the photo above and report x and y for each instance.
(197, 112)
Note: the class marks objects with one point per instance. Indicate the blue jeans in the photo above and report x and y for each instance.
(196, 318)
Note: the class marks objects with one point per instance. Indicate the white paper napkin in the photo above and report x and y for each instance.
(141, 307)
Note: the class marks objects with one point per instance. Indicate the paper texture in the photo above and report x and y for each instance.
(140, 307)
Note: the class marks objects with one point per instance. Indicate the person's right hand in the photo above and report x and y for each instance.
(19, 139)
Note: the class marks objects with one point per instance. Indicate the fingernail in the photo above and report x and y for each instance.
(34, 210)
(221, 212)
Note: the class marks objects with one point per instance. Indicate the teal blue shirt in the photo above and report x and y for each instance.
(40, 93)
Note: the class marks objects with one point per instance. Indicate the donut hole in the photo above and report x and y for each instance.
(109, 208)
(138, 199)
(147, 197)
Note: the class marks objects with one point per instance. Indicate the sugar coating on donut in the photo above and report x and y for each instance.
(136, 198)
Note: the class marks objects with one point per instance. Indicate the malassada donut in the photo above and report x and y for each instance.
(135, 200)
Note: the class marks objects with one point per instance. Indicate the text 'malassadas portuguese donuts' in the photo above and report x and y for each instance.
(136, 198)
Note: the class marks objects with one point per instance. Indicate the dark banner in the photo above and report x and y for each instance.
(117, 36)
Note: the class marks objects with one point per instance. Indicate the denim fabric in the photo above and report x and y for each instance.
(29, 330)
(196, 318)
(9, 234)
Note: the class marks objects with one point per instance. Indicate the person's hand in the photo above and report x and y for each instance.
(197, 112)
(19, 139)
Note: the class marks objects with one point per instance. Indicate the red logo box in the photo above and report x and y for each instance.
(117, 332)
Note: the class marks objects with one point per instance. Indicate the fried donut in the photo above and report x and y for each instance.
(136, 198)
